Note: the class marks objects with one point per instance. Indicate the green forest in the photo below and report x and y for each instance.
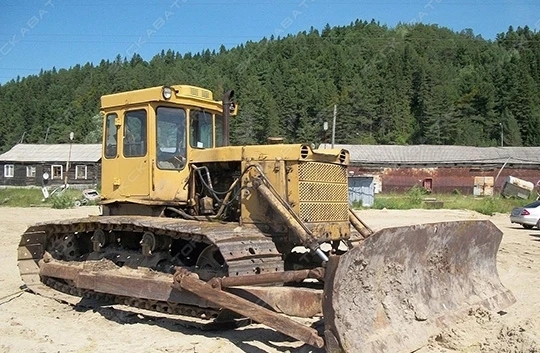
(412, 84)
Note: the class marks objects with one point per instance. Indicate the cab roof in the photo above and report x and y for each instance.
(182, 94)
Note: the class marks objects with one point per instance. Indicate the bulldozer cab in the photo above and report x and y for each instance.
(149, 136)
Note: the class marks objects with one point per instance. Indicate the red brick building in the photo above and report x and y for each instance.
(443, 169)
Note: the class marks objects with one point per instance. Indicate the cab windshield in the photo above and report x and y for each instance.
(171, 138)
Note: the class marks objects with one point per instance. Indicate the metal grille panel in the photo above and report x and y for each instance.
(325, 172)
(313, 212)
(323, 192)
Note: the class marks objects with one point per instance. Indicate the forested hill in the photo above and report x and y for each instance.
(413, 84)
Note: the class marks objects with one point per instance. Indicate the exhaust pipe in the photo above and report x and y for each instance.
(227, 106)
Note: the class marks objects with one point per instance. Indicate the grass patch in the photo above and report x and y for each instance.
(15, 197)
(31, 197)
(63, 200)
(415, 198)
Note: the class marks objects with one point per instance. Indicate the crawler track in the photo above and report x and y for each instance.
(245, 251)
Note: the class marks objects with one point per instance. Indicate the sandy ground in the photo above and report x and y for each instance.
(30, 323)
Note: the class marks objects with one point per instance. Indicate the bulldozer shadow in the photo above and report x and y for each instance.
(250, 338)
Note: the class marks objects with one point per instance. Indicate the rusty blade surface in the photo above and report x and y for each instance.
(402, 285)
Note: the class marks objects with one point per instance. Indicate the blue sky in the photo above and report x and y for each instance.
(40, 34)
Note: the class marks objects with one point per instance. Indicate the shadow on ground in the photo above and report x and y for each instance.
(240, 332)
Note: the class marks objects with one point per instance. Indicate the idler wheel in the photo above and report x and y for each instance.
(210, 263)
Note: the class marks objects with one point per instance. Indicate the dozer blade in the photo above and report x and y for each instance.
(402, 285)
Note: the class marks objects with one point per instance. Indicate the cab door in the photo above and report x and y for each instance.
(110, 166)
(134, 170)
(170, 165)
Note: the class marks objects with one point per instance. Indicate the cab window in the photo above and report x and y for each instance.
(111, 136)
(171, 138)
(135, 133)
(200, 129)
(219, 131)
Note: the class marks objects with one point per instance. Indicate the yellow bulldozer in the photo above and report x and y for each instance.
(193, 226)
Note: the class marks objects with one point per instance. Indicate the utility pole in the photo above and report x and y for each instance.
(71, 135)
(47, 134)
(334, 126)
(502, 135)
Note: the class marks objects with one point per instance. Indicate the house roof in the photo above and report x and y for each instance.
(431, 154)
(52, 153)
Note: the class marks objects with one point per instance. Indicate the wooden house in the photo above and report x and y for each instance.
(25, 165)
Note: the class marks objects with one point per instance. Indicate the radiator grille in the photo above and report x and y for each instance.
(328, 212)
(314, 171)
(323, 192)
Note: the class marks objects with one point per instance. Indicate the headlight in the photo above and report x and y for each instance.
(167, 92)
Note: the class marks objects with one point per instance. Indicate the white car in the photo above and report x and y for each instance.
(528, 216)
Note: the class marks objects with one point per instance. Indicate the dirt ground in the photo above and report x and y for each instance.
(30, 323)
